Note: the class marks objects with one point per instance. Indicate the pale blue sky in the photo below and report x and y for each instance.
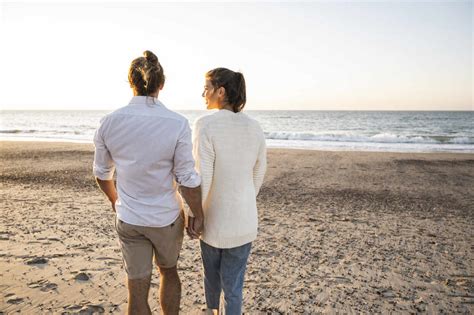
(377, 55)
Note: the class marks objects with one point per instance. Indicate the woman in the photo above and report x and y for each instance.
(229, 148)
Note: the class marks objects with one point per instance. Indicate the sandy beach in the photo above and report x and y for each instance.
(347, 232)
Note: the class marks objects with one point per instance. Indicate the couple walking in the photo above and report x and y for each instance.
(218, 169)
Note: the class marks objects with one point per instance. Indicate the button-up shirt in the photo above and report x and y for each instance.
(150, 148)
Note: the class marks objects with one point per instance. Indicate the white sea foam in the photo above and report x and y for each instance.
(377, 138)
(373, 131)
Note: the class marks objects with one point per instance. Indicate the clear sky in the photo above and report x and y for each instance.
(374, 55)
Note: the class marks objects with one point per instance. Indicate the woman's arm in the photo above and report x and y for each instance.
(204, 154)
(261, 165)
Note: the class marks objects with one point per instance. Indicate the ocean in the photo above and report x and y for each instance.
(384, 131)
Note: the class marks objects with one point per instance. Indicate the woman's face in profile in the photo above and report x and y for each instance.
(210, 96)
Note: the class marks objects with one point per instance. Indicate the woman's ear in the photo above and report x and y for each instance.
(221, 92)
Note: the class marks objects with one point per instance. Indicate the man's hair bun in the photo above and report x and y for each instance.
(146, 74)
(150, 57)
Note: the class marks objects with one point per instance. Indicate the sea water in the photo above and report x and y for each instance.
(390, 131)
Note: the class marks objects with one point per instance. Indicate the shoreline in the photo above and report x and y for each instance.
(331, 149)
(347, 232)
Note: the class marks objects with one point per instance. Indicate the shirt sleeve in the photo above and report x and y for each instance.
(205, 156)
(103, 167)
(184, 170)
(261, 164)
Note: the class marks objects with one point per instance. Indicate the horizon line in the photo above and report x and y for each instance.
(261, 110)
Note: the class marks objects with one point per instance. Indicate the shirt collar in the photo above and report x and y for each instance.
(147, 100)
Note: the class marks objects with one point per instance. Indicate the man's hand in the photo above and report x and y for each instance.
(108, 187)
(195, 227)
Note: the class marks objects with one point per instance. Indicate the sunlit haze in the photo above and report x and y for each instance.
(312, 56)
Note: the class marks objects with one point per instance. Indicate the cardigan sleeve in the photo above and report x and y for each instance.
(204, 155)
(261, 164)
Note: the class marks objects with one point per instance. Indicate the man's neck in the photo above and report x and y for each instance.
(154, 95)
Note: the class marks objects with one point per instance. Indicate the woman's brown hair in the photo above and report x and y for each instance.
(146, 74)
(234, 85)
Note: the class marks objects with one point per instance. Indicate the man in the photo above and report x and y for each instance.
(150, 147)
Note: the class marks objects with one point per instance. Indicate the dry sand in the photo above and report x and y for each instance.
(347, 232)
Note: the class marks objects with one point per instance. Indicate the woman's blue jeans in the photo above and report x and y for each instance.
(224, 270)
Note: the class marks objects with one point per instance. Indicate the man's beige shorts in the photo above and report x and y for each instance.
(139, 243)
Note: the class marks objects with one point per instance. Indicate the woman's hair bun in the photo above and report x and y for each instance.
(150, 57)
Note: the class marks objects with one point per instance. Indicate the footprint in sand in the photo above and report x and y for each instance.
(37, 261)
(93, 309)
(15, 300)
(85, 309)
(74, 307)
(386, 293)
(43, 285)
(4, 236)
(82, 276)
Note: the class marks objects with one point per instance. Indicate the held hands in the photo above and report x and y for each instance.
(195, 227)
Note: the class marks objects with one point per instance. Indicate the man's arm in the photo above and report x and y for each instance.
(189, 180)
(192, 196)
(104, 168)
(108, 187)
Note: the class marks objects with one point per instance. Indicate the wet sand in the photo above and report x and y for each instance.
(352, 232)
